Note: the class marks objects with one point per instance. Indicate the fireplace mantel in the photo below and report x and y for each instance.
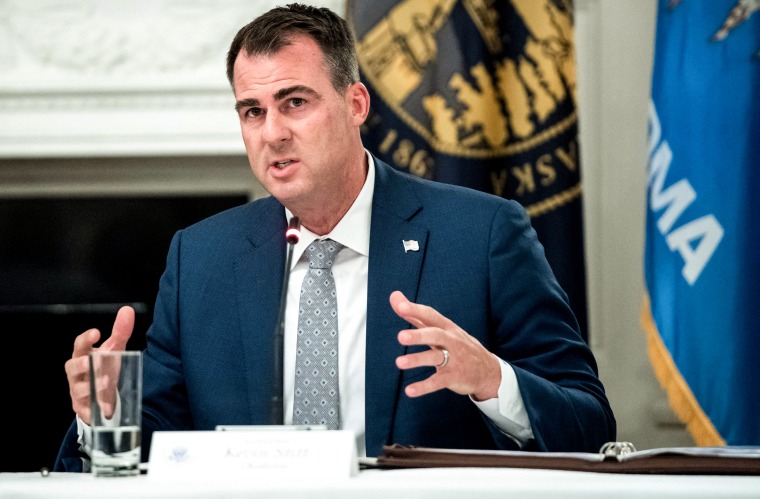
(93, 78)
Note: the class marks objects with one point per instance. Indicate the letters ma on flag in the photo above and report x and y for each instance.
(702, 256)
(481, 93)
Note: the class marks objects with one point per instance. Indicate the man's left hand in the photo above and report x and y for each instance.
(470, 370)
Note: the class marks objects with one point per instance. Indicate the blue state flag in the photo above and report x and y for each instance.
(482, 94)
(702, 252)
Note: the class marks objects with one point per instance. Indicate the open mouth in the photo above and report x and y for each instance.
(282, 164)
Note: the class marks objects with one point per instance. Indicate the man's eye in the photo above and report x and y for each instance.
(297, 102)
(254, 112)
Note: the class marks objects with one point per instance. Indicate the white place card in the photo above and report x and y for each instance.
(254, 453)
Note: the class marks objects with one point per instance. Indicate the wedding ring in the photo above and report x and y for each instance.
(445, 358)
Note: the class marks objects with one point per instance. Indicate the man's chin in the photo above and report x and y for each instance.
(285, 194)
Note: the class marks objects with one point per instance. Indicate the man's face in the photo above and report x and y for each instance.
(301, 136)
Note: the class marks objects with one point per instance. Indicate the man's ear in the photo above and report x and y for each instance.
(358, 101)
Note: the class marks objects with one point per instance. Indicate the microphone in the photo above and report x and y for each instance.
(276, 417)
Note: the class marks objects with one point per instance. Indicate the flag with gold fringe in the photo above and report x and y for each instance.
(481, 93)
(702, 251)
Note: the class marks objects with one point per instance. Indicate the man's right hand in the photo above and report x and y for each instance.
(78, 368)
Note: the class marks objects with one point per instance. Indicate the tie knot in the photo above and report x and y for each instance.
(321, 253)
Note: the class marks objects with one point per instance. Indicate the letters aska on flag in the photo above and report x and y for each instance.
(702, 251)
(481, 93)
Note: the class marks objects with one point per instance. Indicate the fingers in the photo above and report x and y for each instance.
(105, 393)
(403, 308)
(469, 371)
(429, 358)
(122, 330)
(84, 342)
(418, 315)
(432, 384)
(120, 334)
(78, 374)
(432, 358)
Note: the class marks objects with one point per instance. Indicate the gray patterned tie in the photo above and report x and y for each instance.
(317, 398)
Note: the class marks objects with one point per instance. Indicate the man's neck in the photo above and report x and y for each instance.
(322, 217)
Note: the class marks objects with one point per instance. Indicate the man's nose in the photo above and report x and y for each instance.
(275, 128)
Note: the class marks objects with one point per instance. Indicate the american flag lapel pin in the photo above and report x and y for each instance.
(411, 245)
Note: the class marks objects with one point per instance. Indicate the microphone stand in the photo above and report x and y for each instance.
(276, 416)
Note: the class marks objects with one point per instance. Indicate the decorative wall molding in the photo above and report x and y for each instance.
(82, 78)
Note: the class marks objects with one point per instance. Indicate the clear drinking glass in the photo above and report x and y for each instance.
(116, 407)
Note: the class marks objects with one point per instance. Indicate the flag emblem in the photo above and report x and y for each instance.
(411, 245)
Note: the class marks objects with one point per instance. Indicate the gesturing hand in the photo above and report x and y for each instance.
(77, 367)
(470, 370)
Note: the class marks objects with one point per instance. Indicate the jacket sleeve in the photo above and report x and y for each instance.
(536, 332)
(70, 458)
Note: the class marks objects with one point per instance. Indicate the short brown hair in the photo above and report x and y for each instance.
(273, 30)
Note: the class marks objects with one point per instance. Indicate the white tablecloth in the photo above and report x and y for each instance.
(434, 483)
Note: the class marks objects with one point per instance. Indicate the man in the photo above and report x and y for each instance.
(453, 330)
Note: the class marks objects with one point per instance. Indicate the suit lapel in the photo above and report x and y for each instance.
(391, 268)
(258, 281)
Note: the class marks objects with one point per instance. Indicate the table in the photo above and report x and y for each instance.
(437, 483)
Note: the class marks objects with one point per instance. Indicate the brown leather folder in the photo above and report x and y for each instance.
(668, 461)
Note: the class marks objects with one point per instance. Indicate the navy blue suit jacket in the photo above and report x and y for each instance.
(209, 354)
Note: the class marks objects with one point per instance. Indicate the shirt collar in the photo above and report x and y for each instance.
(353, 229)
